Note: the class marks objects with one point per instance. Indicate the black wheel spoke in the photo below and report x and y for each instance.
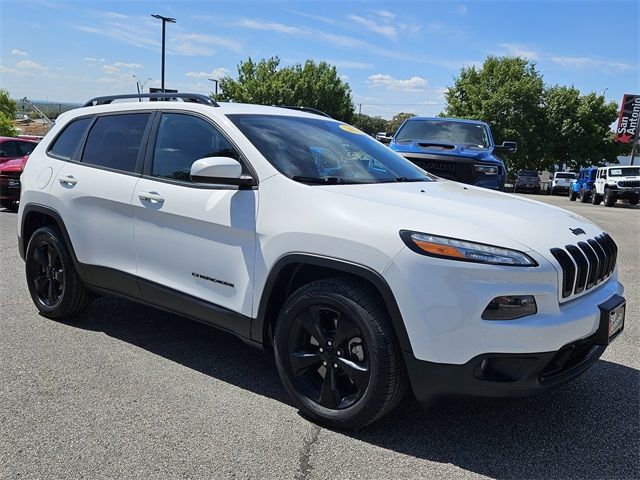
(310, 320)
(301, 361)
(51, 257)
(345, 330)
(58, 276)
(329, 396)
(40, 283)
(358, 373)
(51, 296)
(41, 257)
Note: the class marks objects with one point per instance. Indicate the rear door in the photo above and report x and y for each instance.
(192, 238)
(93, 194)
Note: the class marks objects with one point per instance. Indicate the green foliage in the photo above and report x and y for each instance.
(507, 93)
(311, 84)
(397, 120)
(6, 126)
(8, 106)
(368, 124)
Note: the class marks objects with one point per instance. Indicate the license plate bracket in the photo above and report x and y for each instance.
(612, 313)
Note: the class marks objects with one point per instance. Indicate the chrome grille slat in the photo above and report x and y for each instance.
(586, 264)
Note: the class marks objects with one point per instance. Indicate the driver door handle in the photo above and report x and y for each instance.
(68, 180)
(152, 197)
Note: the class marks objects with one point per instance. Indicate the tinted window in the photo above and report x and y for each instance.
(183, 139)
(10, 149)
(114, 141)
(25, 148)
(68, 140)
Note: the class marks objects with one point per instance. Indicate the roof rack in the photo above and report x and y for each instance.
(315, 111)
(185, 97)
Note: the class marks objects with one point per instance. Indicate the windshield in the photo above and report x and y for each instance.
(565, 175)
(316, 150)
(527, 173)
(624, 172)
(444, 131)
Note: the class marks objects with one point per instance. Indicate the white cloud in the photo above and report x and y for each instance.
(228, 43)
(127, 65)
(272, 27)
(413, 84)
(520, 51)
(188, 49)
(587, 62)
(462, 10)
(20, 53)
(90, 59)
(109, 69)
(344, 41)
(344, 78)
(386, 14)
(114, 15)
(374, 26)
(29, 65)
(215, 73)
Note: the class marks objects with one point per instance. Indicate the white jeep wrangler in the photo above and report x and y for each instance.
(617, 183)
(301, 234)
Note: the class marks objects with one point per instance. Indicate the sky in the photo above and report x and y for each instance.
(395, 55)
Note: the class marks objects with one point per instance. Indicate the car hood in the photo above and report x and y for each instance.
(444, 149)
(462, 211)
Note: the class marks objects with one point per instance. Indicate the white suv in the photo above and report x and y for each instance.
(617, 183)
(297, 232)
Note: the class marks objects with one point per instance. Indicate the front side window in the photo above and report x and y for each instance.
(65, 145)
(9, 149)
(444, 131)
(183, 139)
(114, 141)
(318, 150)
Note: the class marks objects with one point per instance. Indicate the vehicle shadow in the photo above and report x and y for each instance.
(586, 429)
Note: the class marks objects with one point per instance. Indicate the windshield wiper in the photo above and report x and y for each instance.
(407, 179)
(319, 180)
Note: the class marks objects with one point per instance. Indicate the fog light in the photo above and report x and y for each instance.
(510, 307)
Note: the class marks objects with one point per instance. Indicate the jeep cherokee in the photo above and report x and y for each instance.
(300, 234)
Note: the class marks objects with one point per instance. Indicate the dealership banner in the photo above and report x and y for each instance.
(628, 120)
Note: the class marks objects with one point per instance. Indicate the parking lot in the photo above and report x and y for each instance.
(132, 392)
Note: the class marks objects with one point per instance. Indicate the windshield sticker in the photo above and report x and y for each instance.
(616, 171)
(350, 129)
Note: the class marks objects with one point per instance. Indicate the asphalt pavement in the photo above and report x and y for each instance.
(131, 392)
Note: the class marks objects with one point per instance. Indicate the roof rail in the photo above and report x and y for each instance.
(185, 97)
(315, 111)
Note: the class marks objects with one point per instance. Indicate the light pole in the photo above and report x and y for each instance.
(140, 85)
(216, 82)
(164, 22)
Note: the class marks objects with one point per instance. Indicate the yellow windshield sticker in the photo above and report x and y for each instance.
(350, 129)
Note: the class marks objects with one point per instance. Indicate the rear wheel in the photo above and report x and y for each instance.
(584, 196)
(595, 198)
(336, 354)
(54, 284)
(609, 198)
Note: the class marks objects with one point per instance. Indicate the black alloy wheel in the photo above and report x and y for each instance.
(47, 274)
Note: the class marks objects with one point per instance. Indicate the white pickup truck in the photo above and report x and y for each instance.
(617, 183)
(560, 182)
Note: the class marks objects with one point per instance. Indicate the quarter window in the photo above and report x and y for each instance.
(65, 145)
(114, 141)
(183, 139)
(25, 148)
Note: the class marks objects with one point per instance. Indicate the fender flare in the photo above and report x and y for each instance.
(261, 324)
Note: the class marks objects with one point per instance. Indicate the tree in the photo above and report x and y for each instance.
(311, 84)
(507, 93)
(6, 126)
(578, 128)
(368, 124)
(8, 106)
(398, 119)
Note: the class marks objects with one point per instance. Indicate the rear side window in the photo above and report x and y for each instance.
(183, 139)
(65, 145)
(25, 148)
(9, 149)
(114, 141)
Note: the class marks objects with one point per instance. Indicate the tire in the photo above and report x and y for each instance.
(634, 201)
(572, 195)
(54, 283)
(609, 198)
(364, 365)
(595, 198)
(9, 204)
(584, 196)
(550, 191)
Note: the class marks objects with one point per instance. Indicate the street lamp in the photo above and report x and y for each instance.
(216, 82)
(140, 85)
(165, 20)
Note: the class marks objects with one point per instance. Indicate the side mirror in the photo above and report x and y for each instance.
(220, 170)
(384, 139)
(508, 147)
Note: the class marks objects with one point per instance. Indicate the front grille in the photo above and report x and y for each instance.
(567, 357)
(448, 168)
(629, 183)
(586, 264)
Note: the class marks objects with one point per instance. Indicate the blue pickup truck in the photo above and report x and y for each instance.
(453, 148)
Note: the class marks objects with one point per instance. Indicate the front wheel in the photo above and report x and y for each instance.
(336, 354)
(584, 196)
(634, 200)
(595, 198)
(54, 284)
(572, 195)
(609, 198)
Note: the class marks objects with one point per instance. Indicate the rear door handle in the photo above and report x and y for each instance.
(68, 180)
(152, 197)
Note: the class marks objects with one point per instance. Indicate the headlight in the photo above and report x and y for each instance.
(487, 169)
(455, 249)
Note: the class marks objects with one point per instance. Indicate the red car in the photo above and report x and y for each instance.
(10, 172)
(12, 147)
